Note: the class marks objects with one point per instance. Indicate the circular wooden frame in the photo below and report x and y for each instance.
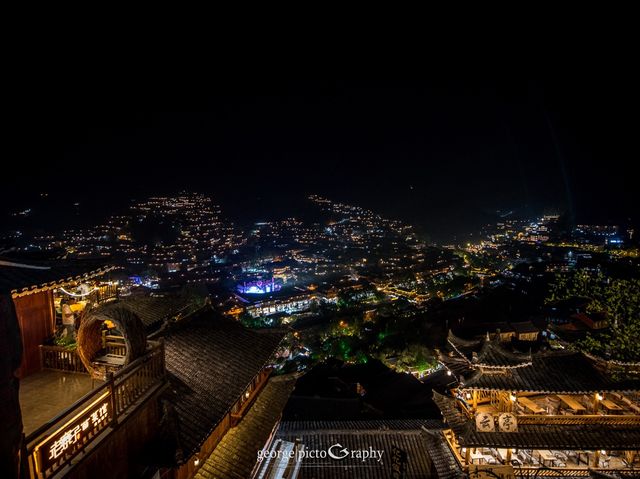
(90, 336)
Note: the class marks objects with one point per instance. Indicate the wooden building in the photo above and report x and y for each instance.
(170, 380)
(550, 413)
(32, 287)
(593, 321)
(217, 369)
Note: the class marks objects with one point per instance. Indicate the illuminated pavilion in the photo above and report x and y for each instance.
(549, 414)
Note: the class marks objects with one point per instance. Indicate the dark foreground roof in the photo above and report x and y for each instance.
(20, 277)
(152, 310)
(427, 454)
(237, 453)
(211, 360)
(360, 424)
(539, 436)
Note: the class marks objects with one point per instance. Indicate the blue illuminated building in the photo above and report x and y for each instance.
(259, 286)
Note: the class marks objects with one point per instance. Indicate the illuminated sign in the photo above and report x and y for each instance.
(71, 438)
(485, 422)
(507, 422)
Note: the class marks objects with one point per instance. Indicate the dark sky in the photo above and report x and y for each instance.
(442, 153)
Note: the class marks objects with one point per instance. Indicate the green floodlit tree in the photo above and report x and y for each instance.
(416, 356)
(619, 299)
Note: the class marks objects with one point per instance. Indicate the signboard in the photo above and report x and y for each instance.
(485, 422)
(398, 463)
(487, 471)
(507, 422)
(71, 438)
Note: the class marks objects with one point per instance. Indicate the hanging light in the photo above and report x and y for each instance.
(77, 295)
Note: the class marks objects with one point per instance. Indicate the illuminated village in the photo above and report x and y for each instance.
(214, 350)
(269, 274)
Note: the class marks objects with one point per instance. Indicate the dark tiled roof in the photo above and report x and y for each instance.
(539, 436)
(152, 310)
(423, 447)
(484, 352)
(464, 345)
(237, 453)
(524, 327)
(19, 276)
(493, 355)
(444, 465)
(211, 360)
(361, 425)
(552, 372)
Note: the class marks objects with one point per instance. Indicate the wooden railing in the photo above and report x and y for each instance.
(570, 419)
(533, 472)
(52, 447)
(131, 383)
(566, 419)
(61, 359)
(240, 408)
(104, 293)
(114, 344)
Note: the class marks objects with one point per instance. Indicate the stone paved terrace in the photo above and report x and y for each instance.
(45, 394)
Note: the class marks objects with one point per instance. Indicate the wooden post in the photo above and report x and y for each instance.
(112, 398)
(596, 402)
(467, 456)
(596, 458)
(475, 400)
(508, 455)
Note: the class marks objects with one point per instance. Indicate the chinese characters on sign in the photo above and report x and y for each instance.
(398, 462)
(507, 422)
(71, 438)
(490, 472)
(484, 422)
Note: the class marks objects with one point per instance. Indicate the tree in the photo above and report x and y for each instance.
(619, 299)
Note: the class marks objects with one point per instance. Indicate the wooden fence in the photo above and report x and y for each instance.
(61, 359)
(51, 447)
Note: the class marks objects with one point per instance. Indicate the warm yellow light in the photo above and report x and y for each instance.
(599, 396)
(512, 398)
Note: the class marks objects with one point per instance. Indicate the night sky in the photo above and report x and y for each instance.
(444, 155)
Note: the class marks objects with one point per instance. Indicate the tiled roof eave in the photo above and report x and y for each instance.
(16, 293)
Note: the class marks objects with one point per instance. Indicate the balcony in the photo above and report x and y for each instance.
(55, 446)
(531, 408)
